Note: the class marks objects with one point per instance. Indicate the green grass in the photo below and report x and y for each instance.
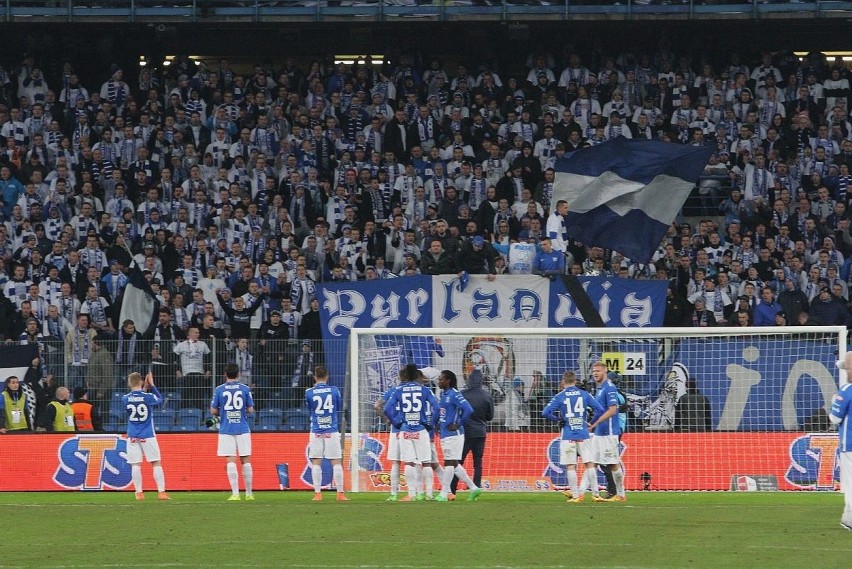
(286, 529)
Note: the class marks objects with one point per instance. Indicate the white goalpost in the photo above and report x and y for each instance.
(709, 408)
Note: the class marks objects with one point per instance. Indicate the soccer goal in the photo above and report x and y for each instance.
(707, 408)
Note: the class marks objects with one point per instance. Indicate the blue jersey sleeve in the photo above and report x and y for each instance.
(840, 409)
(607, 397)
(391, 408)
(840, 403)
(155, 397)
(439, 349)
(465, 407)
(555, 404)
(338, 406)
(387, 397)
(455, 410)
(249, 397)
(433, 401)
(215, 401)
(593, 403)
(611, 398)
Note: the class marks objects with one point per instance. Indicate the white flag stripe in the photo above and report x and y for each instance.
(660, 199)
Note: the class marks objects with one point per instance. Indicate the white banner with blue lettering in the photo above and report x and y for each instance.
(509, 301)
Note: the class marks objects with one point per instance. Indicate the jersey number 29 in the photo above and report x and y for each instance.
(138, 412)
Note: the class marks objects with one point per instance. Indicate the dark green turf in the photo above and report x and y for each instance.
(286, 529)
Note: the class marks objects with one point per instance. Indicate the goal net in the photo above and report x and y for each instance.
(708, 409)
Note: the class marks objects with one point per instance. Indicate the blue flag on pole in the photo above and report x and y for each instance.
(139, 303)
(623, 194)
(16, 360)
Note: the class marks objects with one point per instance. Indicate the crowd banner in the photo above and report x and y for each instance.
(510, 301)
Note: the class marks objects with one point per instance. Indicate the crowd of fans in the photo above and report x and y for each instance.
(236, 193)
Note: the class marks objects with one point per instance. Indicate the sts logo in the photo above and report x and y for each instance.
(93, 462)
(813, 462)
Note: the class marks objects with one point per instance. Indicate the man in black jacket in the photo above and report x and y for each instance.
(163, 338)
(477, 257)
(436, 261)
(400, 137)
(476, 426)
(692, 413)
(272, 341)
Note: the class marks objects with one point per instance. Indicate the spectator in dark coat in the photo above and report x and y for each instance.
(826, 309)
(792, 300)
(477, 257)
(400, 137)
(436, 261)
(677, 308)
(692, 413)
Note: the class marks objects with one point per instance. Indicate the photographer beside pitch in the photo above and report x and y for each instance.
(841, 409)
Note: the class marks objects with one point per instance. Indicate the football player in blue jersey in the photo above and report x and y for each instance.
(326, 405)
(607, 428)
(568, 407)
(407, 409)
(422, 350)
(427, 473)
(141, 439)
(393, 442)
(453, 413)
(841, 409)
(232, 403)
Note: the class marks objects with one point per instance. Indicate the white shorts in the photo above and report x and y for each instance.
(434, 451)
(393, 446)
(452, 447)
(325, 445)
(569, 450)
(414, 447)
(137, 448)
(605, 448)
(846, 481)
(234, 445)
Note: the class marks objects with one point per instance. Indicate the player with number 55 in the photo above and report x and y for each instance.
(141, 439)
(326, 405)
(407, 410)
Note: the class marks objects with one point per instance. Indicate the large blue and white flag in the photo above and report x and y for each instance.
(15, 360)
(139, 303)
(623, 194)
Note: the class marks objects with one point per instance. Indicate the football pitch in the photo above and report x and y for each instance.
(287, 529)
